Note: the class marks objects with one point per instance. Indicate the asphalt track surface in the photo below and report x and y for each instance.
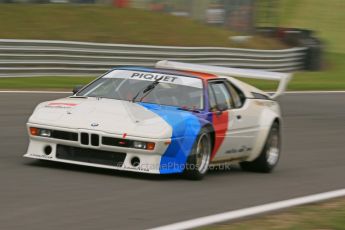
(47, 195)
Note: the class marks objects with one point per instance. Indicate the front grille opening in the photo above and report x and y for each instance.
(94, 140)
(94, 156)
(84, 138)
(117, 142)
(63, 135)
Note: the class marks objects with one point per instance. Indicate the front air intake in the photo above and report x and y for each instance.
(93, 156)
(94, 139)
(84, 138)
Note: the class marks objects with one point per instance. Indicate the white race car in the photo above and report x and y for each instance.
(175, 118)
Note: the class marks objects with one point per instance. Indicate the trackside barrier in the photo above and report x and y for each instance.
(58, 58)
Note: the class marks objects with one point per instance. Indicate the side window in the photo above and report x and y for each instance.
(220, 95)
(213, 103)
(235, 97)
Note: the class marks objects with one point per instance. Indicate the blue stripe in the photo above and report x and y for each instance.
(185, 129)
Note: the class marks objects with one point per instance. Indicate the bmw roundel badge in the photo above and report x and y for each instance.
(94, 124)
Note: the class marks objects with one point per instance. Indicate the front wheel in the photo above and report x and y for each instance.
(270, 154)
(199, 159)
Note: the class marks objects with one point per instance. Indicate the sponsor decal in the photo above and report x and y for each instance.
(60, 105)
(151, 76)
(240, 150)
(265, 103)
(154, 76)
(144, 169)
(41, 156)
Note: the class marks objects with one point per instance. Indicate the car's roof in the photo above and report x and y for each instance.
(204, 76)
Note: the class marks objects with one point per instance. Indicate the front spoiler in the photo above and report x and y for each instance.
(123, 168)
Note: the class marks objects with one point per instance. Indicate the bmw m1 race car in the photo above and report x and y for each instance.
(175, 118)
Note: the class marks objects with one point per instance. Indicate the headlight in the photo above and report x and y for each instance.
(139, 145)
(45, 132)
(143, 145)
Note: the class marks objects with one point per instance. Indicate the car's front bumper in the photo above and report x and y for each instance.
(103, 156)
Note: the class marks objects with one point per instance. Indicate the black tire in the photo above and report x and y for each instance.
(267, 160)
(198, 163)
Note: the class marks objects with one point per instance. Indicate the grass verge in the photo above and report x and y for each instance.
(327, 215)
(96, 23)
(43, 83)
(331, 78)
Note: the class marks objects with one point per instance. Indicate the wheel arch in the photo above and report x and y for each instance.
(263, 133)
(210, 128)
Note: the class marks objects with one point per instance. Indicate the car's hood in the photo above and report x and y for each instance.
(106, 115)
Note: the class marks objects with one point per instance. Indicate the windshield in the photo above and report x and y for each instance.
(173, 90)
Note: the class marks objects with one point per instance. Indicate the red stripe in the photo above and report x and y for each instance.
(204, 76)
(220, 124)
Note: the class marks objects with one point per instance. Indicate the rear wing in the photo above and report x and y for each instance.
(283, 78)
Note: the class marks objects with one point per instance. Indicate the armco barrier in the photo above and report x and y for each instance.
(57, 58)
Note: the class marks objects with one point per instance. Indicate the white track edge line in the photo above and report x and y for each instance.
(29, 91)
(64, 92)
(315, 92)
(240, 213)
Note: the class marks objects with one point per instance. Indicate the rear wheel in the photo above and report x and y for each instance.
(270, 154)
(199, 159)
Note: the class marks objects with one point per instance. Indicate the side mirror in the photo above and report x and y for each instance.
(77, 88)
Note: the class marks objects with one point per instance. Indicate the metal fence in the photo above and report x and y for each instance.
(57, 58)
